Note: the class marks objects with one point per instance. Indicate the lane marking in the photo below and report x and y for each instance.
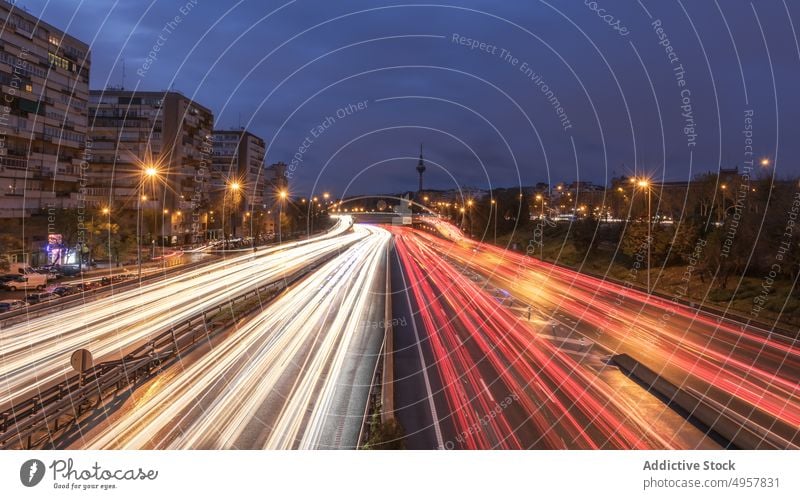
(486, 389)
(436, 428)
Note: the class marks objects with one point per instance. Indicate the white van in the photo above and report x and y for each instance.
(29, 281)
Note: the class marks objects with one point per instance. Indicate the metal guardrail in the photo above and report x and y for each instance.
(38, 421)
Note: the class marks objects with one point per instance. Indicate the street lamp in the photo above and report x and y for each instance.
(149, 172)
(471, 224)
(282, 195)
(540, 198)
(234, 187)
(724, 187)
(645, 184)
(494, 207)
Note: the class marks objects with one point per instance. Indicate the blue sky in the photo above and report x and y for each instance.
(283, 68)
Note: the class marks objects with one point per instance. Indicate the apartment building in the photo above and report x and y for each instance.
(152, 151)
(44, 82)
(239, 157)
(238, 184)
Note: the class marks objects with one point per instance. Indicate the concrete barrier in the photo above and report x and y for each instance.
(738, 433)
(387, 382)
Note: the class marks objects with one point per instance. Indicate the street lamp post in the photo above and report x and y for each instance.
(471, 224)
(314, 212)
(724, 187)
(282, 195)
(234, 188)
(139, 234)
(149, 173)
(540, 198)
(494, 207)
(645, 184)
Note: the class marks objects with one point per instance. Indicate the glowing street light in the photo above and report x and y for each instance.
(282, 195)
(149, 172)
(765, 162)
(234, 186)
(494, 205)
(645, 184)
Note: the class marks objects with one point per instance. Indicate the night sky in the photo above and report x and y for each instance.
(282, 69)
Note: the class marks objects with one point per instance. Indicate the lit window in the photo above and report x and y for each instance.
(58, 62)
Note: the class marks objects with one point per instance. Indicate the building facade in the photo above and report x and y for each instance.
(238, 161)
(239, 157)
(44, 75)
(152, 151)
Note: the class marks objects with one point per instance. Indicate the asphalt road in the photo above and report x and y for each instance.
(295, 376)
(746, 372)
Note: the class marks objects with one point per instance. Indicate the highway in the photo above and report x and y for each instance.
(500, 385)
(35, 353)
(749, 373)
(293, 376)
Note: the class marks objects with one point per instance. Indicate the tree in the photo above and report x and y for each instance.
(685, 237)
(584, 234)
(385, 436)
(8, 244)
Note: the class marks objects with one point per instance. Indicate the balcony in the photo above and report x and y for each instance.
(15, 162)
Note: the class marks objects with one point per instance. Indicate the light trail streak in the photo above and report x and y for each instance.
(296, 375)
(558, 396)
(36, 353)
(750, 372)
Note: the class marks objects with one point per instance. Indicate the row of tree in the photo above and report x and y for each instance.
(748, 228)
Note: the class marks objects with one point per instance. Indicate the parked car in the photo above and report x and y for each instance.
(10, 277)
(50, 274)
(9, 305)
(63, 290)
(87, 285)
(71, 270)
(51, 269)
(27, 281)
(41, 298)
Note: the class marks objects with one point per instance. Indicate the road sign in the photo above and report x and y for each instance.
(81, 360)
